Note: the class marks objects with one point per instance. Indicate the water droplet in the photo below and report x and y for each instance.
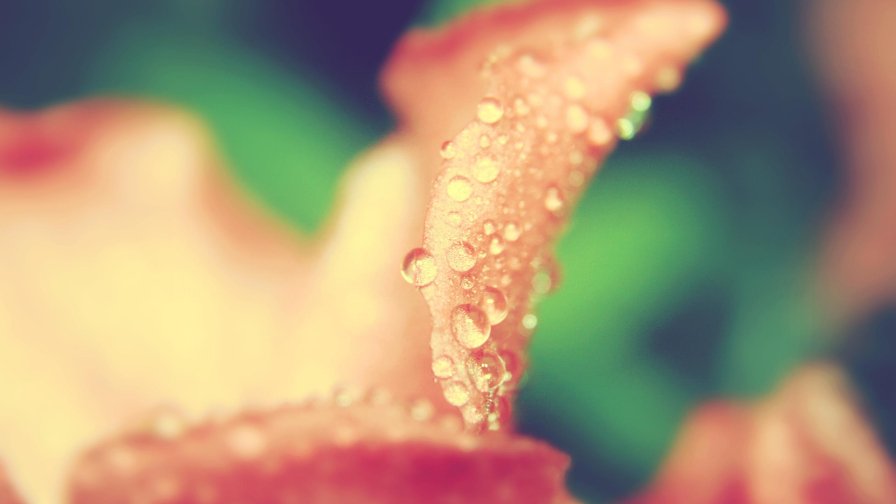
(485, 141)
(488, 227)
(574, 88)
(530, 66)
(456, 393)
(472, 415)
(461, 256)
(246, 441)
(668, 78)
(447, 150)
(454, 218)
(599, 133)
(641, 101)
(521, 107)
(490, 110)
(466, 283)
(576, 119)
(486, 169)
(553, 200)
(494, 304)
(512, 231)
(419, 267)
(470, 326)
(496, 245)
(530, 321)
(541, 283)
(506, 279)
(459, 188)
(599, 49)
(422, 410)
(443, 367)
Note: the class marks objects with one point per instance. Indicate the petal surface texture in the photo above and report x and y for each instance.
(530, 98)
(808, 443)
(365, 452)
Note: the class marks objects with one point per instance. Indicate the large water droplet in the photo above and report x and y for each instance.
(443, 367)
(486, 169)
(512, 231)
(456, 393)
(461, 256)
(419, 267)
(486, 371)
(494, 304)
(490, 110)
(459, 188)
(470, 326)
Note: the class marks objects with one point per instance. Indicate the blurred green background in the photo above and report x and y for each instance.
(688, 265)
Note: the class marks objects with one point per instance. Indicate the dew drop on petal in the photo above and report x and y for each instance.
(419, 267)
(461, 257)
(443, 367)
(494, 304)
(488, 227)
(530, 66)
(486, 169)
(486, 371)
(496, 245)
(576, 119)
(422, 410)
(553, 200)
(448, 151)
(490, 110)
(456, 393)
(574, 88)
(668, 78)
(530, 321)
(246, 441)
(470, 326)
(599, 133)
(459, 188)
(485, 141)
(512, 231)
(521, 107)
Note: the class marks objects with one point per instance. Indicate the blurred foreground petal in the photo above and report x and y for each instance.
(7, 493)
(532, 98)
(372, 451)
(808, 443)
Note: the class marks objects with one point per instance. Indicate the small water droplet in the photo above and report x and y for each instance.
(521, 107)
(443, 367)
(461, 256)
(668, 78)
(472, 415)
(419, 267)
(447, 151)
(599, 49)
(512, 231)
(456, 393)
(530, 66)
(599, 133)
(502, 139)
(485, 141)
(490, 110)
(641, 101)
(459, 188)
(454, 218)
(422, 410)
(488, 227)
(466, 283)
(576, 119)
(530, 321)
(494, 304)
(486, 169)
(470, 326)
(496, 245)
(553, 200)
(506, 279)
(574, 88)
(246, 441)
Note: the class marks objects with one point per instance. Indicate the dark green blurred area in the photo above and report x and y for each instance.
(688, 263)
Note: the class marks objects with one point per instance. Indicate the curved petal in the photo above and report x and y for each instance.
(135, 274)
(531, 97)
(808, 443)
(371, 451)
(8, 494)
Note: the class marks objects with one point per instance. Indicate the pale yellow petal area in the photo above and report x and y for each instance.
(134, 274)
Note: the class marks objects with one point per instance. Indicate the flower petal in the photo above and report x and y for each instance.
(7, 493)
(806, 444)
(537, 92)
(135, 274)
(371, 451)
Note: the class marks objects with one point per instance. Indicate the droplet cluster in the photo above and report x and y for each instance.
(510, 179)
